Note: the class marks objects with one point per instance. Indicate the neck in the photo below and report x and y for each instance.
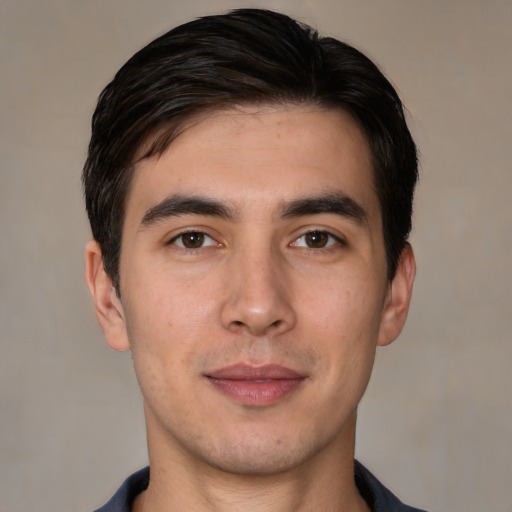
(180, 481)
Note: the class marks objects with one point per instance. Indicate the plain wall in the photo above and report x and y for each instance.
(436, 422)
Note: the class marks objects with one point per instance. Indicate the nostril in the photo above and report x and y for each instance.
(257, 313)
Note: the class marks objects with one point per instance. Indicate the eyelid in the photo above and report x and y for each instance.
(202, 231)
(338, 239)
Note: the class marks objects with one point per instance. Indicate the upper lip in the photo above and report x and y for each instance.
(242, 371)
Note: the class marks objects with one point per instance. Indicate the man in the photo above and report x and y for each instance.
(249, 187)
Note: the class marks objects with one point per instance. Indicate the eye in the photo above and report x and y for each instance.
(193, 240)
(316, 240)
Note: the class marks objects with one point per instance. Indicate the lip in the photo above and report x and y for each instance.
(256, 385)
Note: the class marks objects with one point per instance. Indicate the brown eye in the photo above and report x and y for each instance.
(193, 240)
(316, 239)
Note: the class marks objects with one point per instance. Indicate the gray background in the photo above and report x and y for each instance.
(436, 423)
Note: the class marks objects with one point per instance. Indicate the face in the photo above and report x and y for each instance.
(253, 288)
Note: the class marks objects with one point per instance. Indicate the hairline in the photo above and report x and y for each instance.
(168, 132)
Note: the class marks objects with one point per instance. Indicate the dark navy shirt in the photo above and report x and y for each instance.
(379, 498)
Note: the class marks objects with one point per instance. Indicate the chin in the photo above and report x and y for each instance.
(254, 455)
(251, 462)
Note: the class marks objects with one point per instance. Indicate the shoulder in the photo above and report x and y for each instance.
(123, 499)
(378, 497)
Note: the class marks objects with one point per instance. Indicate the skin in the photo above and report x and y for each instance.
(257, 289)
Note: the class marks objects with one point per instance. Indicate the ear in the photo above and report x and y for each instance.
(109, 309)
(398, 298)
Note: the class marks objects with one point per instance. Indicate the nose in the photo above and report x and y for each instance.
(258, 301)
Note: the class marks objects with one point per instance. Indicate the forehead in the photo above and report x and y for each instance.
(258, 157)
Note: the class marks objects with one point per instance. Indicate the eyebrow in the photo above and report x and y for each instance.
(331, 203)
(336, 203)
(176, 205)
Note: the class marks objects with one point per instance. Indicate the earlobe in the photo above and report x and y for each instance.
(109, 309)
(398, 298)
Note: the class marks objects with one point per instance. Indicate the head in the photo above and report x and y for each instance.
(249, 187)
(245, 58)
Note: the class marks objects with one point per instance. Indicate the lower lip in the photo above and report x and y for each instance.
(257, 392)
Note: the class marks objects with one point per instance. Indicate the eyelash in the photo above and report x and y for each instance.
(331, 240)
(202, 237)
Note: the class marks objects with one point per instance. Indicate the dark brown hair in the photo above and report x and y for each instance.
(248, 56)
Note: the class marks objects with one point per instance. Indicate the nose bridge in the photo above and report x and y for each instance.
(259, 299)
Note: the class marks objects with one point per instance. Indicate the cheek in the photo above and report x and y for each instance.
(345, 322)
(167, 299)
(169, 321)
(348, 307)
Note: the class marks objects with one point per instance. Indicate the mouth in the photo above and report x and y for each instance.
(256, 385)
